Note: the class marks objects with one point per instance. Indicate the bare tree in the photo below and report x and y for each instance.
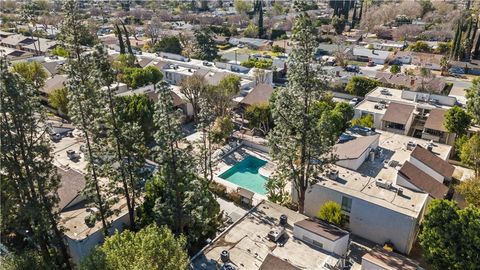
(153, 30)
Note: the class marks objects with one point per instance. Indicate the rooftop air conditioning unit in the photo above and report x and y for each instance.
(332, 174)
(383, 184)
(384, 92)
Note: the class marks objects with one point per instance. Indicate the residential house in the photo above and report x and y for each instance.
(432, 164)
(416, 83)
(261, 93)
(427, 60)
(380, 259)
(378, 57)
(53, 83)
(434, 128)
(355, 150)
(403, 57)
(385, 45)
(38, 46)
(15, 55)
(252, 43)
(398, 118)
(271, 236)
(416, 114)
(410, 176)
(375, 206)
(460, 67)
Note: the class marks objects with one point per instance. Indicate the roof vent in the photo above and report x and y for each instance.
(225, 256)
(332, 174)
(228, 266)
(400, 191)
(283, 220)
(383, 184)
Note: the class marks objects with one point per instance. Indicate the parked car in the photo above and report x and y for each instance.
(352, 68)
(240, 45)
(353, 102)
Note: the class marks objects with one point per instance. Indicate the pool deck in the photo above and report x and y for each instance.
(236, 156)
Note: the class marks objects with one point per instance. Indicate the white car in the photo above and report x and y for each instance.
(353, 102)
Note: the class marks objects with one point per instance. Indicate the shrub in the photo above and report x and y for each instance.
(331, 212)
(278, 49)
(257, 63)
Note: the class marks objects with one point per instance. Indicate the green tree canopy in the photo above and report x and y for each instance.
(59, 51)
(360, 86)
(473, 100)
(150, 248)
(137, 109)
(457, 120)
(449, 237)
(258, 63)
(169, 44)
(251, 30)
(259, 117)
(331, 212)
(394, 69)
(176, 196)
(420, 46)
(366, 121)
(220, 96)
(205, 47)
(338, 23)
(58, 99)
(299, 137)
(470, 153)
(242, 6)
(33, 72)
(138, 77)
(470, 189)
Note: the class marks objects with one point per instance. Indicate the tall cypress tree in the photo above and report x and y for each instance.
(120, 39)
(354, 16)
(127, 39)
(29, 179)
(261, 31)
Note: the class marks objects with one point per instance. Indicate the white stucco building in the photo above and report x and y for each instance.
(376, 207)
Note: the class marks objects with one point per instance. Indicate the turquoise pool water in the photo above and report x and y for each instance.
(245, 174)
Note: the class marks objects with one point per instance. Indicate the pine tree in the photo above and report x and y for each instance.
(86, 108)
(298, 139)
(124, 141)
(29, 179)
(206, 118)
(176, 196)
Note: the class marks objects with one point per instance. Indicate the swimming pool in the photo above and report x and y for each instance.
(245, 174)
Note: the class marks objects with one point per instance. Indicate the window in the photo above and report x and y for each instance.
(318, 244)
(307, 239)
(346, 204)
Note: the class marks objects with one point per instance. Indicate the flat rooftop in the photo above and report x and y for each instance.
(361, 183)
(395, 95)
(249, 246)
(73, 218)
